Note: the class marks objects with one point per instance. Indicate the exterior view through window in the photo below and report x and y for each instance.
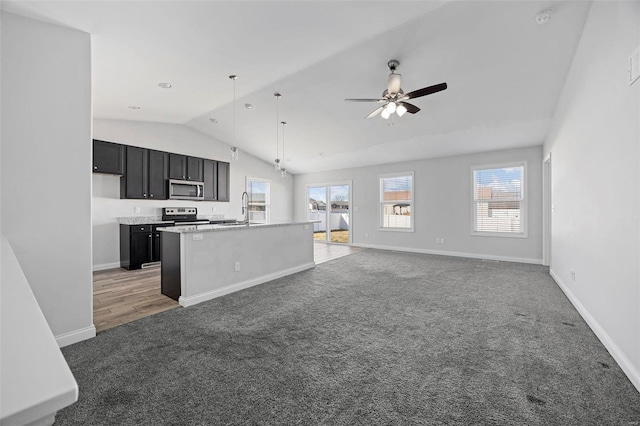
(499, 200)
(329, 204)
(259, 200)
(396, 201)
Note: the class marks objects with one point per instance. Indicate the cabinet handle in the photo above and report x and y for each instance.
(142, 229)
(95, 167)
(151, 195)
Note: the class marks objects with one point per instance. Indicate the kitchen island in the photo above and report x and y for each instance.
(202, 262)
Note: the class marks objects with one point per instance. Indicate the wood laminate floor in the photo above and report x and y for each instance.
(121, 296)
(323, 252)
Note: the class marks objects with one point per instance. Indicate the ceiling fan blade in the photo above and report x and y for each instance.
(425, 91)
(366, 100)
(412, 109)
(376, 112)
(394, 83)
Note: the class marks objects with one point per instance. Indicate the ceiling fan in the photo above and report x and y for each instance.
(394, 99)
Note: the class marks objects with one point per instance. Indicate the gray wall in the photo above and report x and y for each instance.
(107, 205)
(46, 159)
(595, 161)
(442, 206)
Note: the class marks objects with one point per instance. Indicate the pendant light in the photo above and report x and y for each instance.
(283, 171)
(277, 161)
(234, 149)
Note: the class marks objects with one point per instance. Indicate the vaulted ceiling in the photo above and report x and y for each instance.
(504, 71)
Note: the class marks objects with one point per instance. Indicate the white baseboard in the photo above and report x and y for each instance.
(454, 254)
(203, 297)
(76, 336)
(104, 266)
(632, 373)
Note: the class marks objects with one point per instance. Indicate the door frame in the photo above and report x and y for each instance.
(327, 185)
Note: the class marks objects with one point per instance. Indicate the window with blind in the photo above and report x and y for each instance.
(259, 191)
(396, 202)
(499, 200)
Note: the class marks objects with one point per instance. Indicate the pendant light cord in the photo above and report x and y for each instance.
(234, 78)
(277, 95)
(283, 123)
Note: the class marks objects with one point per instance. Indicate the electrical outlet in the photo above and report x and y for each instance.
(573, 275)
(441, 240)
(136, 210)
(366, 235)
(197, 237)
(306, 226)
(237, 266)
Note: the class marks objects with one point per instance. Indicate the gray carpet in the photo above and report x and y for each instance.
(376, 337)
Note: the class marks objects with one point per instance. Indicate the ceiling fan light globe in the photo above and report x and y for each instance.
(385, 114)
(391, 107)
(401, 110)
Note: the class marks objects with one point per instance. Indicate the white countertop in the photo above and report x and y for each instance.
(189, 229)
(152, 220)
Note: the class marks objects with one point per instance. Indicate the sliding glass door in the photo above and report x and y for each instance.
(330, 205)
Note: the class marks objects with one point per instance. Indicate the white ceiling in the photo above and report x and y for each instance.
(504, 71)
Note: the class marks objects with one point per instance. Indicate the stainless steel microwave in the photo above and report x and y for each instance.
(186, 190)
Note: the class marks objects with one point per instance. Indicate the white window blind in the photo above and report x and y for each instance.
(396, 201)
(499, 199)
(259, 200)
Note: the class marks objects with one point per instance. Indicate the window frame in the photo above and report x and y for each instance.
(381, 202)
(524, 222)
(267, 202)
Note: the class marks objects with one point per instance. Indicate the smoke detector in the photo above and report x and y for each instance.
(544, 16)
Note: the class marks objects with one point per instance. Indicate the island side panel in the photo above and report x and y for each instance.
(263, 253)
(170, 268)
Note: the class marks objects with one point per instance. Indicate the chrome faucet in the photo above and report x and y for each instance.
(245, 207)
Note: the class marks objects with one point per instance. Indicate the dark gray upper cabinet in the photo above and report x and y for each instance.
(145, 172)
(223, 181)
(195, 169)
(177, 166)
(210, 179)
(108, 157)
(135, 182)
(158, 174)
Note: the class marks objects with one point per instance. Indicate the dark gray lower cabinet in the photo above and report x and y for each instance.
(139, 244)
(170, 271)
